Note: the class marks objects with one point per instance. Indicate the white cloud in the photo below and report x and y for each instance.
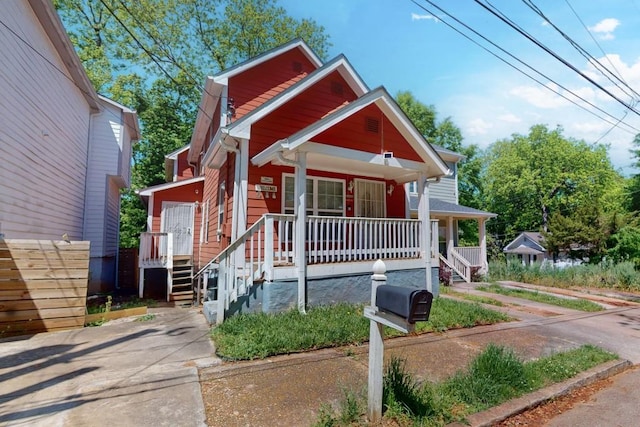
(605, 28)
(416, 17)
(478, 127)
(540, 97)
(510, 118)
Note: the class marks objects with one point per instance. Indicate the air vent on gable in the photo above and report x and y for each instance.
(337, 89)
(297, 66)
(371, 124)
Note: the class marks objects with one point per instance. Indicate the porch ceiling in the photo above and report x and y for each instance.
(344, 160)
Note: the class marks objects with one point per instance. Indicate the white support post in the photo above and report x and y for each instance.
(482, 236)
(376, 348)
(268, 249)
(423, 216)
(300, 235)
(141, 283)
(450, 241)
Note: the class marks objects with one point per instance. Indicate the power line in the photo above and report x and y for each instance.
(501, 16)
(590, 58)
(615, 119)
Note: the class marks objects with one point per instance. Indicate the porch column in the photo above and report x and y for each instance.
(482, 236)
(301, 220)
(425, 223)
(450, 241)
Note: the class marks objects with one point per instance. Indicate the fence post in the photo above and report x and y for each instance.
(376, 347)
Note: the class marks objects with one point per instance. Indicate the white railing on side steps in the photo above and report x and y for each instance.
(460, 265)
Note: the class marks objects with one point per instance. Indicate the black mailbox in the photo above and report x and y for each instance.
(412, 304)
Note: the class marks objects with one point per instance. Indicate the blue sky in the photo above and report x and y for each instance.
(397, 44)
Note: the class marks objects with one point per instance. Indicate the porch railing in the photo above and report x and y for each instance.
(156, 250)
(269, 243)
(472, 254)
(341, 239)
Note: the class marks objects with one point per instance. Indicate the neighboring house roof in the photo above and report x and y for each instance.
(52, 25)
(399, 170)
(130, 117)
(529, 239)
(524, 250)
(440, 207)
(242, 127)
(223, 77)
(447, 154)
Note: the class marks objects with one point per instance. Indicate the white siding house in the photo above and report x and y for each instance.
(64, 151)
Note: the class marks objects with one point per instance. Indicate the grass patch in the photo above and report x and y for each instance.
(145, 318)
(260, 335)
(108, 303)
(576, 304)
(493, 377)
(474, 298)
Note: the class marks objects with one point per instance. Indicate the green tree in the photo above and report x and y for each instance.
(581, 234)
(529, 177)
(446, 134)
(153, 55)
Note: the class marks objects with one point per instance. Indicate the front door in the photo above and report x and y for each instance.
(177, 218)
(370, 199)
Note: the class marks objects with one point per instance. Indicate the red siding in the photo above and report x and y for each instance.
(213, 179)
(185, 171)
(300, 112)
(259, 84)
(258, 205)
(352, 133)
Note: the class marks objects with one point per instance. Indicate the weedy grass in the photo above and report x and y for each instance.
(575, 304)
(260, 335)
(491, 378)
(607, 275)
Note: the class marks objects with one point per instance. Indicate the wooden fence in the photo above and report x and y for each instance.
(43, 285)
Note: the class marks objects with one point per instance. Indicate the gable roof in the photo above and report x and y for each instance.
(530, 239)
(52, 26)
(432, 164)
(223, 77)
(241, 128)
(215, 86)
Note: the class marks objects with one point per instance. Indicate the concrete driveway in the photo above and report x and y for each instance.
(124, 373)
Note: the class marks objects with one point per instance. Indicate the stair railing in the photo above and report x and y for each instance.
(460, 265)
(249, 259)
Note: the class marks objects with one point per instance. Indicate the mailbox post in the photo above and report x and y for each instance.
(394, 306)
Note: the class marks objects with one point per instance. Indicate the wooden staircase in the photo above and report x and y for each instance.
(182, 277)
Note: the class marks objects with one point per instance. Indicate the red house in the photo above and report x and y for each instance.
(295, 180)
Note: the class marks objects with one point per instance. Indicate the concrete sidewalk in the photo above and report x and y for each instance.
(289, 390)
(124, 373)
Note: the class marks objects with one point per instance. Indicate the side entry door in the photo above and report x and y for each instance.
(177, 218)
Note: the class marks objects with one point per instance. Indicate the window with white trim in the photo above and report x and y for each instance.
(324, 196)
(204, 230)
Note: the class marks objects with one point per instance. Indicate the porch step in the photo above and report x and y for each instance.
(182, 281)
(182, 298)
